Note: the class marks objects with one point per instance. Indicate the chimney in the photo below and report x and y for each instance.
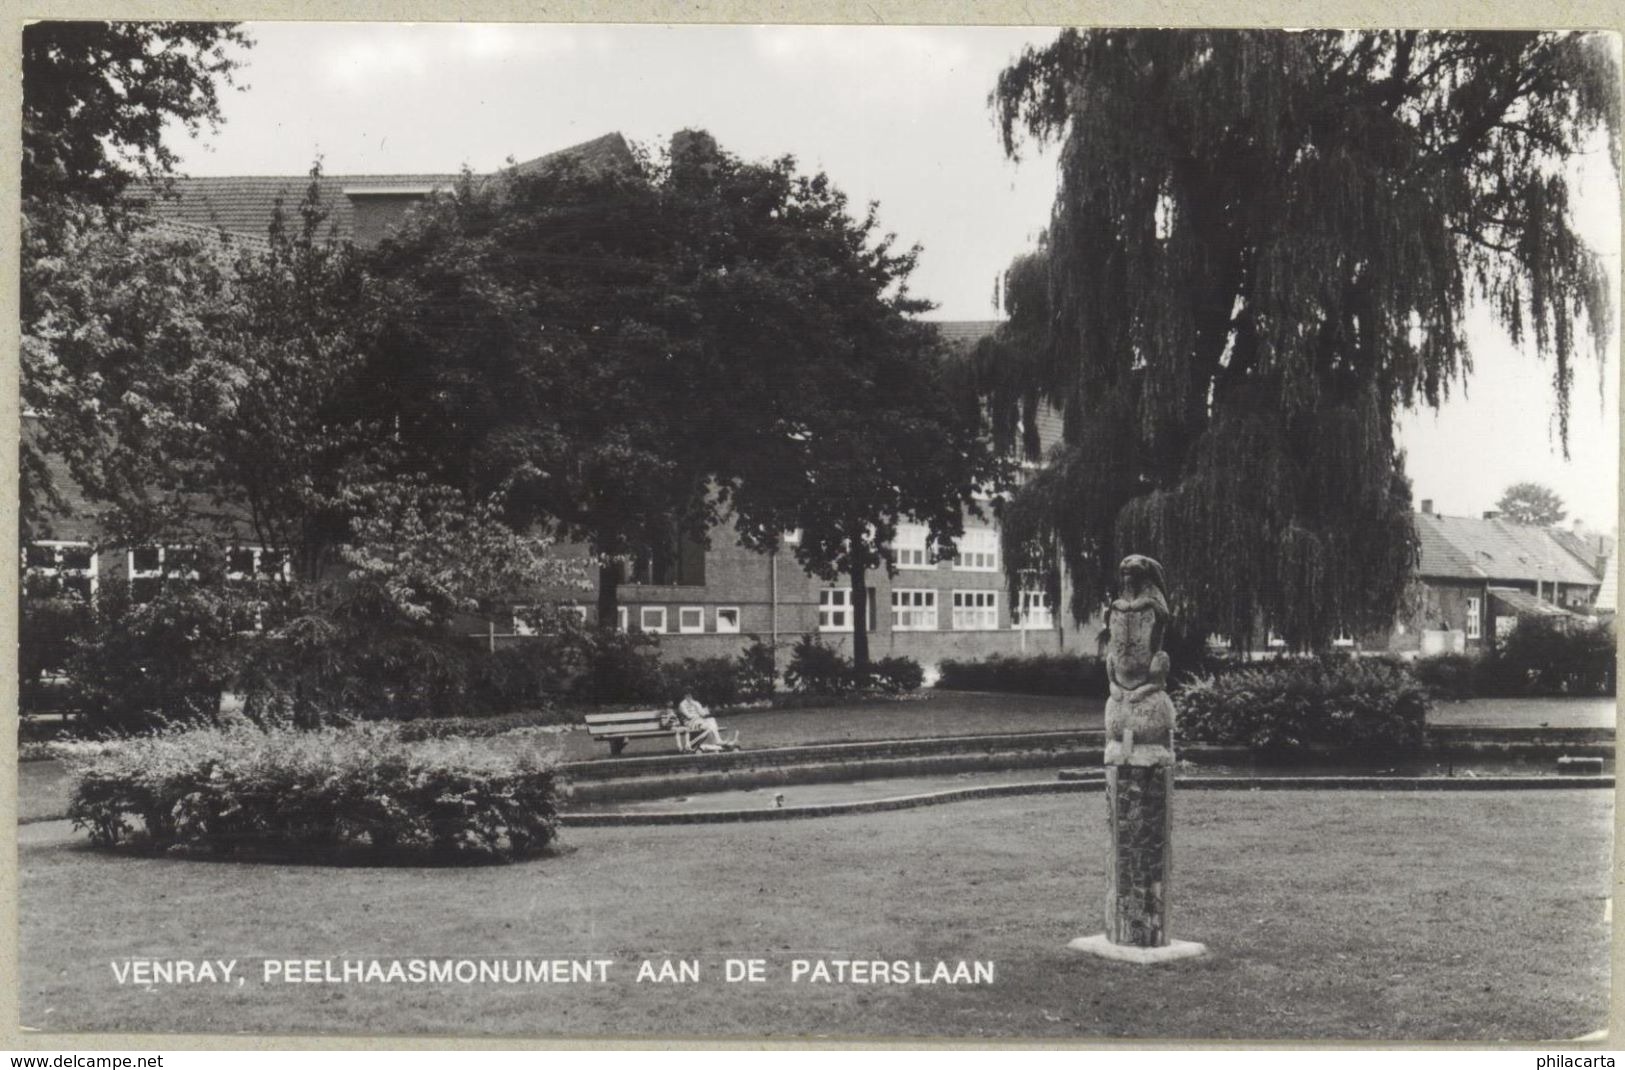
(1427, 506)
(1491, 514)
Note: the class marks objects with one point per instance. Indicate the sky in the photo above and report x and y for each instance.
(893, 114)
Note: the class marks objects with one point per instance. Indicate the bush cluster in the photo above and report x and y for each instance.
(1336, 701)
(622, 668)
(1449, 676)
(313, 794)
(1539, 658)
(1543, 657)
(818, 669)
(1039, 674)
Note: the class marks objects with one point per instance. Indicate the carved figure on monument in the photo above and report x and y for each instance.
(1139, 713)
(1139, 758)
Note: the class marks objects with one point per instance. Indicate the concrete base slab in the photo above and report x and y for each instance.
(1143, 956)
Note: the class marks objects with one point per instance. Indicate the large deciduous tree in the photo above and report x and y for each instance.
(648, 351)
(97, 97)
(1532, 503)
(1263, 246)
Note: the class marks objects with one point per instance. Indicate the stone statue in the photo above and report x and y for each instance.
(1139, 713)
(1139, 760)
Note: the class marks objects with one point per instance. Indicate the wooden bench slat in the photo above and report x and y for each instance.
(629, 715)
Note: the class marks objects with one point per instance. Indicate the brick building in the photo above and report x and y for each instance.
(1479, 575)
(704, 600)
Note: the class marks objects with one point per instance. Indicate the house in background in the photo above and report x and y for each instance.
(1478, 576)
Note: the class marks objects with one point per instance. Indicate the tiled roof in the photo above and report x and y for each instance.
(209, 237)
(1458, 547)
(243, 204)
(962, 334)
(1586, 549)
(1524, 604)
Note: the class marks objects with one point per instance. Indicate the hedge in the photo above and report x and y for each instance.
(818, 669)
(1040, 674)
(1538, 658)
(316, 794)
(1337, 702)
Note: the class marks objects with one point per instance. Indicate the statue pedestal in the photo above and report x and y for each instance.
(1139, 801)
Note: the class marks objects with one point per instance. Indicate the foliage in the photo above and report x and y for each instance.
(142, 665)
(1038, 674)
(98, 96)
(721, 682)
(1263, 245)
(1543, 657)
(1451, 676)
(651, 349)
(47, 625)
(1532, 503)
(758, 670)
(896, 675)
(621, 667)
(817, 668)
(1350, 704)
(311, 794)
(714, 682)
(207, 396)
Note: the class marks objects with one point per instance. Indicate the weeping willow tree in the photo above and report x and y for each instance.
(1263, 247)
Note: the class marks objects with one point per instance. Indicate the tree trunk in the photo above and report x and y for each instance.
(860, 623)
(609, 583)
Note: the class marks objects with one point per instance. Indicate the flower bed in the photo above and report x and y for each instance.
(304, 794)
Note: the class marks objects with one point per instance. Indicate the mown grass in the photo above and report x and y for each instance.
(1468, 916)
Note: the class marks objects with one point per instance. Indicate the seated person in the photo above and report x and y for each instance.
(702, 727)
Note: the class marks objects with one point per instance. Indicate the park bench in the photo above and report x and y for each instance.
(617, 728)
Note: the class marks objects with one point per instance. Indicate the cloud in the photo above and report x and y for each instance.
(906, 53)
(388, 52)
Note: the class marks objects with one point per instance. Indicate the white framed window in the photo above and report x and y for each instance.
(910, 548)
(1034, 612)
(1475, 618)
(256, 563)
(147, 567)
(652, 619)
(620, 617)
(71, 565)
(913, 610)
(728, 620)
(835, 609)
(690, 619)
(976, 610)
(977, 551)
(253, 564)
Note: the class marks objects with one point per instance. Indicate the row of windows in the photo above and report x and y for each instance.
(75, 567)
(915, 610)
(691, 620)
(975, 551)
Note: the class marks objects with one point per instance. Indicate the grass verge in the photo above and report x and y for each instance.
(1410, 916)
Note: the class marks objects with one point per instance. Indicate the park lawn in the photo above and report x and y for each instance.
(1406, 916)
